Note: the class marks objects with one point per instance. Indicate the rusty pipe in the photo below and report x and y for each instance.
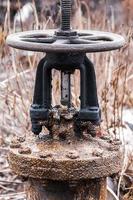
(53, 190)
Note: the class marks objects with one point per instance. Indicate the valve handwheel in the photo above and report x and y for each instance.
(65, 39)
(82, 41)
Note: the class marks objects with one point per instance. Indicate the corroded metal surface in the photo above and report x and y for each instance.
(46, 41)
(89, 190)
(65, 160)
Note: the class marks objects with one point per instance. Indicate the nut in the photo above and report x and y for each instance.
(21, 139)
(116, 142)
(106, 137)
(113, 148)
(45, 155)
(72, 155)
(15, 144)
(98, 153)
(24, 150)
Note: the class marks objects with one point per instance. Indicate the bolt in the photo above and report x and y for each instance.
(116, 142)
(72, 155)
(113, 147)
(21, 139)
(15, 144)
(24, 150)
(98, 153)
(45, 155)
(106, 137)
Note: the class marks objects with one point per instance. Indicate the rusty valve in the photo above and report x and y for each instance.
(53, 169)
(65, 51)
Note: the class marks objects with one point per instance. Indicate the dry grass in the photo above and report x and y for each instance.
(113, 69)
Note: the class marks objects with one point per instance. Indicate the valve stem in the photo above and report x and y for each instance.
(65, 14)
(66, 89)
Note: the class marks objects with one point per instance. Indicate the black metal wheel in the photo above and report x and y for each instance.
(47, 41)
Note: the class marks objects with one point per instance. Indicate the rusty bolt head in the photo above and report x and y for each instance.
(97, 153)
(106, 137)
(72, 155)
(15, 144)
(21, 139)
(24, 150)
(113, 147)
(45, 155)
(116, 142)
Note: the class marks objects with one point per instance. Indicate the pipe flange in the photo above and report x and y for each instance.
(66, 160)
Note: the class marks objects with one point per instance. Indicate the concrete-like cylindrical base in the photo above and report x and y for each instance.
(94, 189)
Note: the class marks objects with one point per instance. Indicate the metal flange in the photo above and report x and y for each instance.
(80, 159)
(49, 41)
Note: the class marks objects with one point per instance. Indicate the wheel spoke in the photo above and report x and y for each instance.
(85, 34)
(61, 42)
(36, 35)
(97, 38)
(39, 40)
(83, 41)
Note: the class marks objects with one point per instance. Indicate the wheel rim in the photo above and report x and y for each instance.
(46, 41)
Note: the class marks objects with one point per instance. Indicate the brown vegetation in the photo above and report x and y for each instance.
(17, 71)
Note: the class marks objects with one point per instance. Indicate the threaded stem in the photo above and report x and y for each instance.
(65, 14)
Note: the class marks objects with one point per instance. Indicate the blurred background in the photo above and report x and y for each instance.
(114, 71)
